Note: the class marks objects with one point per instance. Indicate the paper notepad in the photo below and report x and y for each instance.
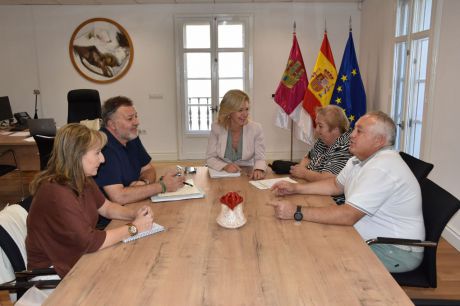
(185, 193)
(156, 228)
(218, 174)
(267, 184)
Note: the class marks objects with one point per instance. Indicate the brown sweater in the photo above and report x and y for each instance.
(61, 227)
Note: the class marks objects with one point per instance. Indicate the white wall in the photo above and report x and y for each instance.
(34, 54)
(443, 147)
(440, 133)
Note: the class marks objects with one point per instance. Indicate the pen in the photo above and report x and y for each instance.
(185, 183)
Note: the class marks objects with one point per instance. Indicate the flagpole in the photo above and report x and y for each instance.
(290, 119)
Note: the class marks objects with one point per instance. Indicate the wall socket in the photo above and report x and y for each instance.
(155, 96)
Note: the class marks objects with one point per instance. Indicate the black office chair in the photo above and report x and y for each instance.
(6, 168)
(420, 168)
(45, 147)
(83, 104)
(438, 208)
(12, 236)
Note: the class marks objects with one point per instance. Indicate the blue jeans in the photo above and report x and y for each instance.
(396, 259)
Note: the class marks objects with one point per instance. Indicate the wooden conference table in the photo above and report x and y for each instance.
(265, 262)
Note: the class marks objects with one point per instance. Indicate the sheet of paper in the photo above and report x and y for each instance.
(267, 184)
(5, 133)
(218, 174)
(29, 139)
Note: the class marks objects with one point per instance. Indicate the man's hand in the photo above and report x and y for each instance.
(283, 188)
(137, 183)
(283, 208)
(173, 181)
(232, 168)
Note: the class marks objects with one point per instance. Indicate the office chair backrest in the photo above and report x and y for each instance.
(13, 231)
(439, 206)
(45, 147)
(83, 104)
(420, 168)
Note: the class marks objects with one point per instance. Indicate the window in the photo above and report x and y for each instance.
(410, 71)
(213, 57)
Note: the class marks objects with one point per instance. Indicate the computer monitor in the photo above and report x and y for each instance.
(5, 109)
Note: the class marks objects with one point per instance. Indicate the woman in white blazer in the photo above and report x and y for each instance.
(234, 140)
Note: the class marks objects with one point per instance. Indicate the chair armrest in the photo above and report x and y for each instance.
(400, 241)
(35, 272)
(23, 286)
(25, 280)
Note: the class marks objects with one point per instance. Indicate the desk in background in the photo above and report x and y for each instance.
(26, 152)
(265, 262)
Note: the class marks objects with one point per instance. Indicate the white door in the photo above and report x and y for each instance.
(213, 56)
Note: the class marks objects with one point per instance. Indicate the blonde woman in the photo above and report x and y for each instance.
(236, 141)
(61, 226)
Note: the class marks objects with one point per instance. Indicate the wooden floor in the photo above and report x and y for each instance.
(448, 257)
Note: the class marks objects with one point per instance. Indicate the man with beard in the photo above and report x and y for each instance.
(128, 175)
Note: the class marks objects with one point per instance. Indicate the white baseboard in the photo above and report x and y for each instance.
(452, 237)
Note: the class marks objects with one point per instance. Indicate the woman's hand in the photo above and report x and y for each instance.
(144, 219)
(257, 174)
(232, 168)
(298, 171)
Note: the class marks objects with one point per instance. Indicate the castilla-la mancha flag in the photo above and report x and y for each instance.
(291, 89)
(319, 90)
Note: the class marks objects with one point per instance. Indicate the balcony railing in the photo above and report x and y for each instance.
(199, 113)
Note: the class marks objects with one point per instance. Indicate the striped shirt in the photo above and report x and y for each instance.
(331, 159)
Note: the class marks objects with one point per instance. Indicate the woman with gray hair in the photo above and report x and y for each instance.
(330, 152)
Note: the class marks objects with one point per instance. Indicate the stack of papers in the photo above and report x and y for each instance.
(218, 174)
(267, 184)
(186, 192)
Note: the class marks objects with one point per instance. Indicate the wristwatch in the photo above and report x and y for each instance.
(132, 229)
(298, 216)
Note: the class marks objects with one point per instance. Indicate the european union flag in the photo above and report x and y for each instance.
(349, 90)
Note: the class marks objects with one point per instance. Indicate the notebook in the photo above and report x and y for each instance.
(218, 174)
(156, 228)
(185, 193)
(46, 127)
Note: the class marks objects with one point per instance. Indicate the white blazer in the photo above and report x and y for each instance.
(253, 147)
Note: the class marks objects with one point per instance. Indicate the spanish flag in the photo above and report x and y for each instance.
(321, 86)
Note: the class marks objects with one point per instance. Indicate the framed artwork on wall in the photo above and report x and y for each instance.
(101, 50)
